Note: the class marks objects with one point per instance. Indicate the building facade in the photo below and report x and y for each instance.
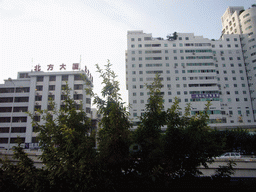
(32, 91)
(197, 70)
(245, 23)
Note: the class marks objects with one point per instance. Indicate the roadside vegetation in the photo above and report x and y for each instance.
(146, 158)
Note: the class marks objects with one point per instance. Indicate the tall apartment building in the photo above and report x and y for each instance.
(195, 70)
(236, 20)
(32, 91)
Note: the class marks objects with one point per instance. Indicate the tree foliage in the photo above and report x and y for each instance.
(72, 163)
(188, 141)
(68, 152)
(113, 136)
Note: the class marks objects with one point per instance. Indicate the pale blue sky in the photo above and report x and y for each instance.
(59, 31)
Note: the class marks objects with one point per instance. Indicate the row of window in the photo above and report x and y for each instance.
(15, 109)
(183, 64)
(182, 58)
(13, 129)
(63, 78)
(16, 100)
(14, 119)
(17, 90)
(52, 87)
(150, 38)
(4, 140)
(174, 45)
(63, 97)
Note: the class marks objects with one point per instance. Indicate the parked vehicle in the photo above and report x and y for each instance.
(230, 155)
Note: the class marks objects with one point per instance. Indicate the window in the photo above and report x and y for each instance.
(18, 130)
(52, 78)
(132, 46)
(88, 100)
(178, 92)
(40, 78)
(139, 39)
(78, 87)
(51, 87)
(132, 39)
(64, 77)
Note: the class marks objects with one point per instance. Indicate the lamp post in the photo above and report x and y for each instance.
(9, 139)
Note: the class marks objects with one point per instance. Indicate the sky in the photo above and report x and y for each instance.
(47, 32)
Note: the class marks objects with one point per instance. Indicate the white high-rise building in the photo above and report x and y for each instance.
(236, 20)
(195, 70)
(32, 91)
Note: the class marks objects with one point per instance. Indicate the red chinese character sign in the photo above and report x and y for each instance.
(63, 66)
(75, 66)
(50, 67)
(37, 68)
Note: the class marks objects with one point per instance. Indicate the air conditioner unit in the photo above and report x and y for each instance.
(75, 92)
(37, 103)
(37, 94)
(50, 93)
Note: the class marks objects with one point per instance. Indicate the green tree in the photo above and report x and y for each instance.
(113, 136)
(148, 133)
(68, 153)
(22, 176)
(188, 141)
